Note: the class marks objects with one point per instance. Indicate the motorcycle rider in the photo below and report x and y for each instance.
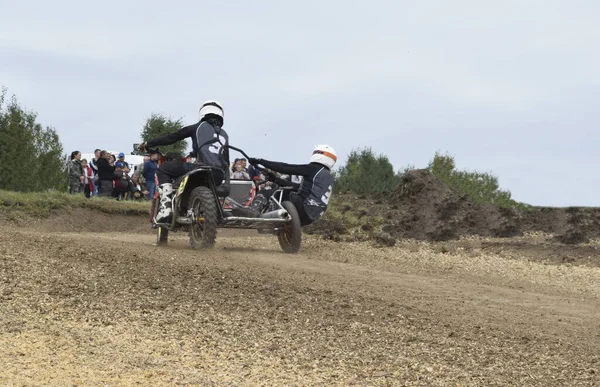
(208, 136)
(310, 197)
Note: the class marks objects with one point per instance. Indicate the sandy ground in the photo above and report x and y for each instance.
(108, 309)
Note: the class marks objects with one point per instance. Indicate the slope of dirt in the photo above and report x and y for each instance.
(425, 208)
(81, 220)
(113, 309)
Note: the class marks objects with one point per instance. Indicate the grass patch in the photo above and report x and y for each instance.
(353, 218)
(44, 204)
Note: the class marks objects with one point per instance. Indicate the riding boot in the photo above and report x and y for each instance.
(165, 202)
(255, 209)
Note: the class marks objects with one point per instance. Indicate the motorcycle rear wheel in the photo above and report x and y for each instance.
(203, 230)
(162, 236)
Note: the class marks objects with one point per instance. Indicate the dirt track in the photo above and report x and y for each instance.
(113, 309)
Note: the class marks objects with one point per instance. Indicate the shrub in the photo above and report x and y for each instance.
(366, 173)
(480, 187)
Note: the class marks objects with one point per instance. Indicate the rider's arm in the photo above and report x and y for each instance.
(286, 183)
(226, 156)
(290, 169)
(170, 138)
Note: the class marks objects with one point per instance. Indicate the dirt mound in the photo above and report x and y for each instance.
(430, 210)
(425, 208)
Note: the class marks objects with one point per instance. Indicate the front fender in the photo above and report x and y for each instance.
(182, 185)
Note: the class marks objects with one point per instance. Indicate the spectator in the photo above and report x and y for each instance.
(112, 160)
(234, 165)
(239, 173)
(244, 163)
(94, 167)
(88, 177)
(121, 163)
(139, 170)
(75, 173)
(252, 172)
(267, 185)
(149, 173)
(106, 174)
(123, 185)
(139, 190)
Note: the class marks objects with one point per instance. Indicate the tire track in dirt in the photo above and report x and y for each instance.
(113, 308)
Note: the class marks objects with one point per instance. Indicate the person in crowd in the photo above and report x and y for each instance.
(106, 174)
(112, 160)
(75, 173)
(123, 185)
(311, 197)
(92, 164)
(88, 177)
(252, 172)
(149, 172)
(139, 190)
(208, 136)
(244, 164)
(121, 163)
(239, 173)
(139, 169)
(234, 165)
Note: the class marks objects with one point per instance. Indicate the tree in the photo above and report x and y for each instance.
(50, 159)
(158, 125)
(31, 157)
(366, 173)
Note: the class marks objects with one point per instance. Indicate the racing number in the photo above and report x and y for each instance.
(215, 147)
(325, 198)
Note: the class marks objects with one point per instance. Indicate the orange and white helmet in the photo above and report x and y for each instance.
(325, 155)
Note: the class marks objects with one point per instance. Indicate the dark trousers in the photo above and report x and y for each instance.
(106, 188)
(87, 191)
(172, 169)
(296, 200)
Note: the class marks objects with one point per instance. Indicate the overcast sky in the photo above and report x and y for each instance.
(510, 87)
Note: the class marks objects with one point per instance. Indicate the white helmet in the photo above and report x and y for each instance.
(325, 155)
(211, 107)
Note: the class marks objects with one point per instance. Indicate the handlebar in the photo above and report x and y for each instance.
(237, 150)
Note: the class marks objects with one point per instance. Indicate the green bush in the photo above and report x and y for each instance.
(366, 173)
(480, 187)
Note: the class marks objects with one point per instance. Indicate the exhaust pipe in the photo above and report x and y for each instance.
(277, 214)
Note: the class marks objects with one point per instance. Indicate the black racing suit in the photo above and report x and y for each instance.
(312, 195)
(207, 140)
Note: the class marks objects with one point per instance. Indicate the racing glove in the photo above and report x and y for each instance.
(254, 161)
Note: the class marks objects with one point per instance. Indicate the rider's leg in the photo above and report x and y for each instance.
(259, 203)
(296, 200)
(165, 174)
(165, 209)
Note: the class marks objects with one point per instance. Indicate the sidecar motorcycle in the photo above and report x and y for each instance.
(206, 199)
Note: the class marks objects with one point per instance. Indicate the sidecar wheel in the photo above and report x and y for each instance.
(290, 237)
